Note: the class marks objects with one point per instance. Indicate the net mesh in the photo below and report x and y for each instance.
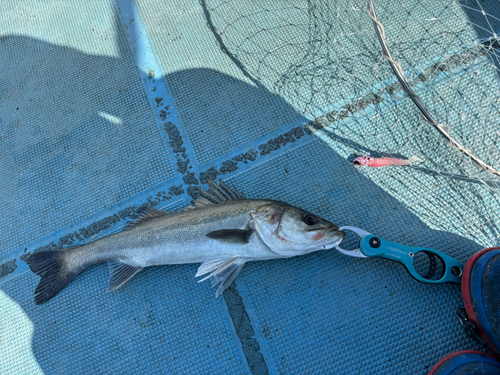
(324, 58)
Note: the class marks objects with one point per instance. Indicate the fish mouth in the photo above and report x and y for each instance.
(336, 235)
(335, 228)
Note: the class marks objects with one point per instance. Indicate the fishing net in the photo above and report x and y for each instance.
(337, 64)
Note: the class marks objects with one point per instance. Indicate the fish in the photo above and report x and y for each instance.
(222, 230)
(370, 161)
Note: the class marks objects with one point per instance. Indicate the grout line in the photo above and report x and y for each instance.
(252, 347)
(158, 93)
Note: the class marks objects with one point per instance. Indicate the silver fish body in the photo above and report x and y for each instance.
(178, 238)
(223, 232)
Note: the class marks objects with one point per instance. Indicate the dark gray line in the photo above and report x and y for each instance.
(245, 331)
(7, 267)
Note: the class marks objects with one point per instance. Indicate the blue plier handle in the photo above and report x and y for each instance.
(374, 246)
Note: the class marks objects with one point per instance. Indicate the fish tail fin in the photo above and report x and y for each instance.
(52, 268)
(414, 159)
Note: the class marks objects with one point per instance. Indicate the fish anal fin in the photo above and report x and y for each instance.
(236, 236)
(221, 272)
(120, 273)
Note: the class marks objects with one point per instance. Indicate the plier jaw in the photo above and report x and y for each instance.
(357, 253)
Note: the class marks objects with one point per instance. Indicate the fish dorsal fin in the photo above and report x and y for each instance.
(221, 272)
(120, 273)
(144, 214)
(216, 193)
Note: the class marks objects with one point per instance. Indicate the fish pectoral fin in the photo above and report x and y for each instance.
(221, 272)
(235, 236)
(120, 273)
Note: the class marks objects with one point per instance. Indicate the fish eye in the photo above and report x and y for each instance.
(309, 219)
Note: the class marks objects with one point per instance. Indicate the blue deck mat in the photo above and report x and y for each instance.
(109, 105)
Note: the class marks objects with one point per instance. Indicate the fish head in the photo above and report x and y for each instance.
(363, 160)
(290, 231)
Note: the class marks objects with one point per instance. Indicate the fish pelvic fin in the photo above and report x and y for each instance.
(120, 273)
(221, 272)
(50, 265)
(216, 193)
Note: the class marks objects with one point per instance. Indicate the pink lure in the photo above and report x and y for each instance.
(383, 162)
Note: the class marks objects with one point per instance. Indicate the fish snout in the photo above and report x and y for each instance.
(335, 233)
(362, 160)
